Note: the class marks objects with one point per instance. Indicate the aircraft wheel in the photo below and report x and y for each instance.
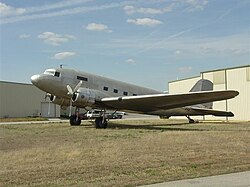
(100, 124)
(74, 121)
(191, 121)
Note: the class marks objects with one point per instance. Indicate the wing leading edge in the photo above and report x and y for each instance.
(154, 102)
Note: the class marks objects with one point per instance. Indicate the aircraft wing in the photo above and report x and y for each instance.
(150, 103)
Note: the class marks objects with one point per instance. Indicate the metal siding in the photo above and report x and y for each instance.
(235, 79)
(219, 77)
(248, 73)
(208, 76)
(218, 105)
(240, 105)
(182, 86)
(20, 100)
(48, 109)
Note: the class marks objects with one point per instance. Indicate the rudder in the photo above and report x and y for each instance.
(203, 85)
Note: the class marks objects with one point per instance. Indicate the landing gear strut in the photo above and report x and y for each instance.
(75, 119)
(101, 122)
(190, 120)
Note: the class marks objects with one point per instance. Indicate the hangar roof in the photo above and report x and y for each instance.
(244, 66)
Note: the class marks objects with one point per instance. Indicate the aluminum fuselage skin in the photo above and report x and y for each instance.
(57, 85)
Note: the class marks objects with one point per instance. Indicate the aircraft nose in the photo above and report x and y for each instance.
(35, 79)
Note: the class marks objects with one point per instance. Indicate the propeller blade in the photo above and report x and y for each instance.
(78, 86)
(46, 95)
(70, 107)
(70, 91)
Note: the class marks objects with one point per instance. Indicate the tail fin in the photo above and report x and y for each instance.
(203, 85)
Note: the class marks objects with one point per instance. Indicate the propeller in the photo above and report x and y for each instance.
(71, 92)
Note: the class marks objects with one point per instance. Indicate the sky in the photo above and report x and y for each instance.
(144, 42)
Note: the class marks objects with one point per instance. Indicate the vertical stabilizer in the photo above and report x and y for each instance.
(203, 85)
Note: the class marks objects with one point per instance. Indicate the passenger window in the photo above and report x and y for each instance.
(134, 94)
(105, 88)
(115, 91)
(82, 78)
(125, 93)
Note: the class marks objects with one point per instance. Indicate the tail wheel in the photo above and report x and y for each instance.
(74, 120)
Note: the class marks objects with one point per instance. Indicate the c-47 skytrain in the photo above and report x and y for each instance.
(68, 87)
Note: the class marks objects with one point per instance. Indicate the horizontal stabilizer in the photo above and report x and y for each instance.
(205, 111)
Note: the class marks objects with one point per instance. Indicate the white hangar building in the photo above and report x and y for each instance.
(24, 100)
(236, 78)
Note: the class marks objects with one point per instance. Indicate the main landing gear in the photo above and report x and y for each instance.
(100, 122)
(75, 120)
(190, 120)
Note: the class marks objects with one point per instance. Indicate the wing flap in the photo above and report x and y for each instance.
(149, 103)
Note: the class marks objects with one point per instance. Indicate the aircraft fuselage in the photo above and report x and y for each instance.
(55, 81)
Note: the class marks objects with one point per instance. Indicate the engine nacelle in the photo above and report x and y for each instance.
(59, 101)
(84, 97)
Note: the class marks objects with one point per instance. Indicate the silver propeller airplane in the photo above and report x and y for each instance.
(68, 87)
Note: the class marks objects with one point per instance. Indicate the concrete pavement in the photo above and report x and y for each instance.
(241, 179)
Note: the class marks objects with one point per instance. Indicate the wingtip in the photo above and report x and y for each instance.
(234, 93)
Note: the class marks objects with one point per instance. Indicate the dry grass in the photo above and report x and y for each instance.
(129, 153)
(23, 119)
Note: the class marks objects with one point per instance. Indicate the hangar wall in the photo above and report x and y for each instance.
(236, 78)
(22, 100)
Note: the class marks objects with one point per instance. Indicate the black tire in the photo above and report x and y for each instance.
(74, 121)
(100, 124)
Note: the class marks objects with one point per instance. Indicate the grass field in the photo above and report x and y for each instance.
(22, 119)
(128, 153)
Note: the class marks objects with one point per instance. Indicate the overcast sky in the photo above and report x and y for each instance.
(145, 42)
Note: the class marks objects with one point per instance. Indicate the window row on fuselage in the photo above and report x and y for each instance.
(106, 88)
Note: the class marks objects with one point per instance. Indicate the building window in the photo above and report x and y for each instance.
(115, 91)
(57, 74)
(82, 78)
(125, 93)
(105, 88)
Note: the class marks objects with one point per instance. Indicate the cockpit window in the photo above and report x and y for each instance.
(50, 71)
(57, 74)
